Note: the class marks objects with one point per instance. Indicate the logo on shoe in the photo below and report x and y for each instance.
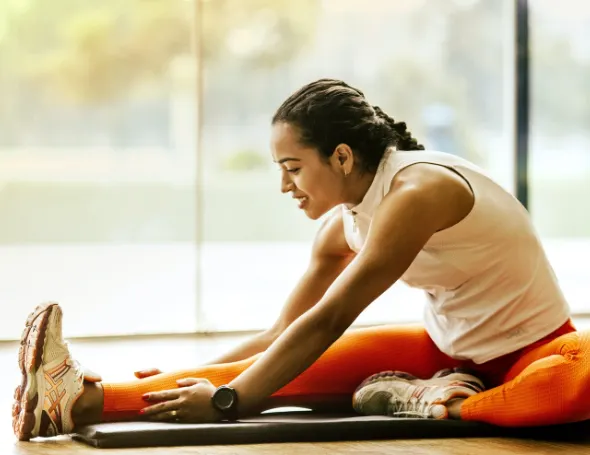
(55, 391)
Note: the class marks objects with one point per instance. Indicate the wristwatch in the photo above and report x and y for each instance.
(225, 400)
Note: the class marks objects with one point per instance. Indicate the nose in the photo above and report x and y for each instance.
(286, 183)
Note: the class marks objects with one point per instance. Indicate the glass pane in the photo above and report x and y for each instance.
(420, 61)
(560, 140)
(97, 159)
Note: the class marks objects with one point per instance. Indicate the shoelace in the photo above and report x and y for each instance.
(76, 366)
(412, 407)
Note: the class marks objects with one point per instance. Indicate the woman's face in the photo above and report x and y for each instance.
(317, 184)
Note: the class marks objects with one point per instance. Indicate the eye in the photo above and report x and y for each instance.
(293, 171)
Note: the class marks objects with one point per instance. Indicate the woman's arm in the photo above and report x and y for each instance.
(330, 255)
(423, 200)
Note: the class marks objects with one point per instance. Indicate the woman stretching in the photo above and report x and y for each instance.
(397, 212)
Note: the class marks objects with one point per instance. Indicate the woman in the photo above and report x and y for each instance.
(398, 212)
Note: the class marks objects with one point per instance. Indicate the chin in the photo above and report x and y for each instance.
(316, 214)
(313, 215)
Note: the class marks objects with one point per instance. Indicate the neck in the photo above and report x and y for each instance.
(358, 189)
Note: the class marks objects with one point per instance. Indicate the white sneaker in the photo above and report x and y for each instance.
(51, 380)
(399, 394)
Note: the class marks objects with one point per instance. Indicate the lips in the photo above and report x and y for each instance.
(301, 201)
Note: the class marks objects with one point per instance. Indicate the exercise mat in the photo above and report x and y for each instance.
(305, 427)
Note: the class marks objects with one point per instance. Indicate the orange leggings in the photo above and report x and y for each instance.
(545, 383)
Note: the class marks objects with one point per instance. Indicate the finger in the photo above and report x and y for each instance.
(147, 373)
(91, 376)
(164, 395)
(166, 416)
(164, 407)
(187, 382)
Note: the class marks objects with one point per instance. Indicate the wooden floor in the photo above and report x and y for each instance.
(421, 447)
(117, 359)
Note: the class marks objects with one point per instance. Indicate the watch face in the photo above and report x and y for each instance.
(224, 398)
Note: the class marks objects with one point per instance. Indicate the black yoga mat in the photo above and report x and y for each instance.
(306, 426)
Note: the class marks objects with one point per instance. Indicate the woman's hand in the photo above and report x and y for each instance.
(190, 403)
(91, 376)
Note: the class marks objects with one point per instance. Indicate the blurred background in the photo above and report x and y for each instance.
(136, 183)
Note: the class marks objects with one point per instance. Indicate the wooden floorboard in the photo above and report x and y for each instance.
(474, 446)
(117, 359)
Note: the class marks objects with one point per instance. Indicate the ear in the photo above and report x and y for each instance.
(343, 158)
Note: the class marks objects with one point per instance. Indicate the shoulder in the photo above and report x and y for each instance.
(445, 193)
(330, 240)
(425, 176)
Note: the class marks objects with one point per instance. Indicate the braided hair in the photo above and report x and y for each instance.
(329, 112)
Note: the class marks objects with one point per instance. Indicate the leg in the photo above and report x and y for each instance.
(331, 379)
(546, 386)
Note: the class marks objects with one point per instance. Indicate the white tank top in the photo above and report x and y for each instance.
(489, 285)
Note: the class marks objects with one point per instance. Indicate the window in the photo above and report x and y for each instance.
(560, 140)
(97, 164)
(411, 58)
(143, 197)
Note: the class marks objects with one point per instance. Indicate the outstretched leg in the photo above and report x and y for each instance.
(331, 380)
(53, 394)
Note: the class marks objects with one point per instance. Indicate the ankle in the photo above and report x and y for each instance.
(88, 407)
(454, 408)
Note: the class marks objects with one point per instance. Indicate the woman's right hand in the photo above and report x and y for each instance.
(147, 373)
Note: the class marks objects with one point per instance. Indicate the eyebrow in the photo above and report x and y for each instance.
(284, 160)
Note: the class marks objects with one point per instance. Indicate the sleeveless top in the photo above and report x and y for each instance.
(489, 285)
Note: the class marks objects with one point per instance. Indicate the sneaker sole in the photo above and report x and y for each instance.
(26, 412)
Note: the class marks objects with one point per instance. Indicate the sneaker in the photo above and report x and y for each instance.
(51, 380)
(399, 394)
(463, 375)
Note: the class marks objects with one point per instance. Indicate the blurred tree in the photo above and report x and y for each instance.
(245, 160)
(95, 51)
(262, 33)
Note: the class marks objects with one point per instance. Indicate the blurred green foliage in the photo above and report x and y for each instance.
(93, 52)
(245, 160)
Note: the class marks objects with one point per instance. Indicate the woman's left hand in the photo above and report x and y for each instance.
(190, 403)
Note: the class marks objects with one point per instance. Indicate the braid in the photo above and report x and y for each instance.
(402, 137)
